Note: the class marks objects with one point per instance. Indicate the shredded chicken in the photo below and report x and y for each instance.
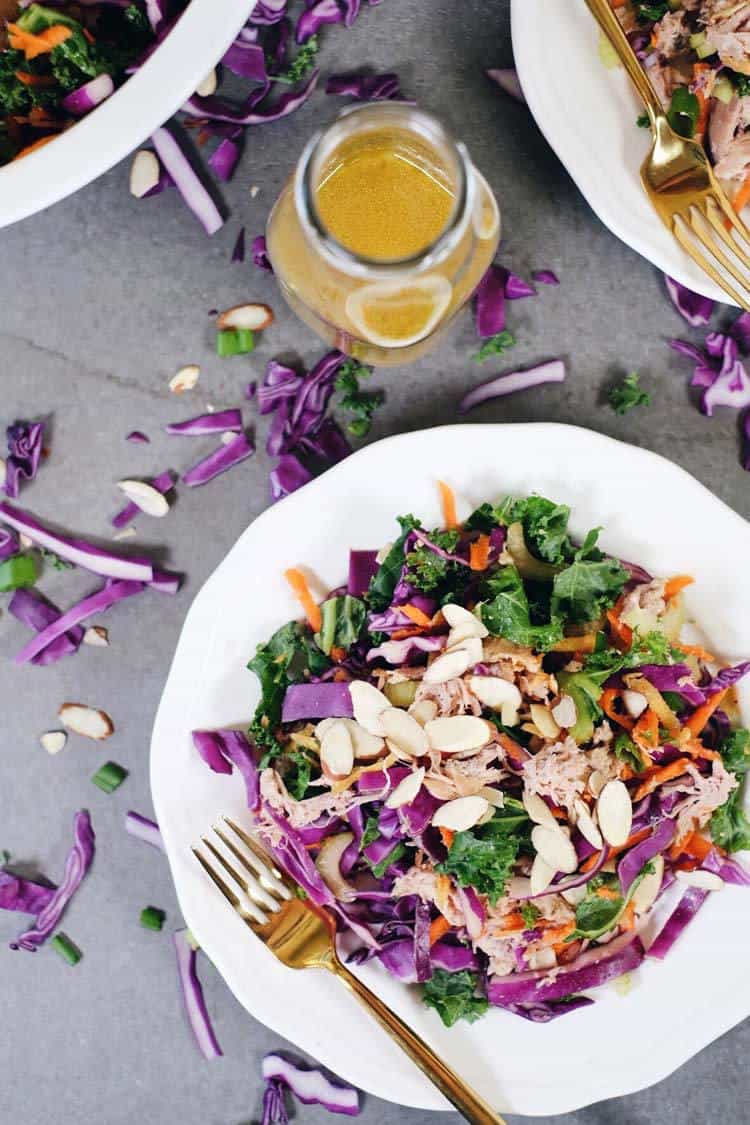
(648, 596)
(520, 659)
(702, 796)
(451, 698)
(538, 685)
(558, 771)
(671, 34)
(301, 813)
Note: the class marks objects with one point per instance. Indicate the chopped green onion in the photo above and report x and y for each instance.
(705, 50)
(152, 918)
(16, 572)
(5, 857)
(723, 89)
(109, 777)
(698, 39)
(69, 952)
(234, 341)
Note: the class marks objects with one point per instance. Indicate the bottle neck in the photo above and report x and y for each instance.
(423, 144)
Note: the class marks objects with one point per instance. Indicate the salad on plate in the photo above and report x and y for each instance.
(497, 758)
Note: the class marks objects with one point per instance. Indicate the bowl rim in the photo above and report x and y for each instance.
(121, 123)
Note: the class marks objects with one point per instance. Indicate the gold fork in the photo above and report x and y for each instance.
(303, 937)
(680, 182)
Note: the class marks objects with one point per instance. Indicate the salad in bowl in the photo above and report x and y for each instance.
(497, 759)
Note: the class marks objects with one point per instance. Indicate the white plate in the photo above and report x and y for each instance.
(588, 115)
(133, 113)
(653, 513)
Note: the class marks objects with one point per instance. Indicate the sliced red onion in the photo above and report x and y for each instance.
(76, 551)
(137, 437)
(238, 251)
(163, 483)
(363, 566)
(222, 749)
(144, 829)
(89, 96)
(96, 603)
(77, 864)
(696, 310)
(222, 459)
(545, 277)
(31, 608)
(507, 80)
(316, 701)
(683, 914)
(189, 185)
(632, 863)
(23, 895)
(289, 475)
(223, 421)
(223, 160)
(551, 372)
(214, 109)
(593, 968)
(311, 1086)
(192, 994)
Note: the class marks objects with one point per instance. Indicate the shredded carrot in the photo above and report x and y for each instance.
(447, 836)
(41, 44)
(553, 934)
(658, 776)
(631, 841)
(338, 654)
(479, 553)
(607, 704)
(698, 750)
(298, 582)
(646, 730)
(341, 676)
(704, 103)
(698, 651)
(627, 921)
(701, 715)
(203, 138)
(34, 146)
(448, 500)
(742, 198)
(622, 634)
(606, 892)
(584, 644)
(402, 634)
(673, 587)
(35, 79)
(512, 923)
(415, 614)
(695, 845)
(438, 927)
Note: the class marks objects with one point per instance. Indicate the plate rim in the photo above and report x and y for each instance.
(568, 1100)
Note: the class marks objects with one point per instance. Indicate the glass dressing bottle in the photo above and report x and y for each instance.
(382, 233)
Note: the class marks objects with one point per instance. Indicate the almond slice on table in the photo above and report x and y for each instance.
(448, 666)
(406, 790)
(585, 824)
(86, 721)
(368, 704)
(403, 733)
(53, 741)
(706, 880)
(460, 618)
(97, 636)
(614, 812)
(145, 172)
(145, 497)
(208, 86)
(538, 810)
(251, 316)
(185, 379)
(541, 876)
(644, 896)
(555, 848)
(461, 814)
(457, 733)
(336, 751)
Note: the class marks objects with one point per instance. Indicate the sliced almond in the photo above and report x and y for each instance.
(555, 848)
(86, 721)
(126, 533)
(542, 959)
(368, 704)
(458, 617)
(440, 787)
(208, 85)
(461, 814)
(448, 667)
(470, 645)
(575, 895)
(456, 733)
(564, 713)
(706, 880)
(403, 733)
(367, 747)
(185, 379)
(53, 741)
(424, 710)
(328, 863)
(585, 824)
(253, 317)
(499, 695)
(97, 636)
(541, 876)
(462, 633)
(614, 811)
(145, 497)
(492, 796)
(144, 173)
(645, 893)
(596, 782)
(406, 790)
(336, 751)
(538, 810)
(635, 703)
(542, 719)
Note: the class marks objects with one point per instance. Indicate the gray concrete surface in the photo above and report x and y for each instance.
(102, 298)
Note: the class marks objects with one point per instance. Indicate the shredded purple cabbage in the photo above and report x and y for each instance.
(192, 993)
(696, 310)
(25, 443)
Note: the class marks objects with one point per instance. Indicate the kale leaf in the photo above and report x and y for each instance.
(506, 613)
(730, 827)
(343, 619)
(495, 345)
(454, 996)
(483, 857)
(362, 404)
(284, 659)
(384, 580)
(627, 394)
(592, 583)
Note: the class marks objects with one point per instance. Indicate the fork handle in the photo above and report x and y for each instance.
(612, 29)
(466, 1101)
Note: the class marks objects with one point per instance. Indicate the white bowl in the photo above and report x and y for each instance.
(120, 124)
(653, 513)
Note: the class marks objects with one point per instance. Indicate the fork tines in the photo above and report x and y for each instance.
(710, 232)
(257, 887)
